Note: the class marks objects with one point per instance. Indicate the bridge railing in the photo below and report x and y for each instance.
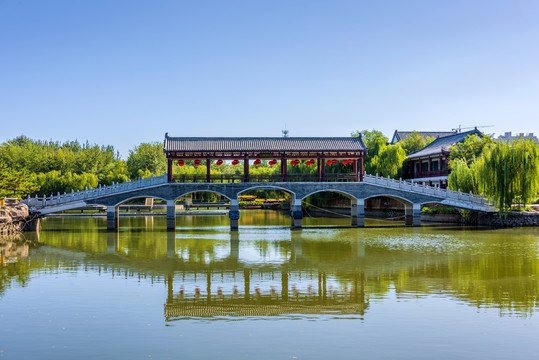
(58, 199)
(426, 189)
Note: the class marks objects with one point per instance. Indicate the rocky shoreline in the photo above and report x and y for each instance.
(15, 217)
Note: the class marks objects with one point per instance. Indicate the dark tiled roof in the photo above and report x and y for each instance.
(442, 144)
(403, 135)
(263, 144)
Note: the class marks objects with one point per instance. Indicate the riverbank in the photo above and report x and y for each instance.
(512, 219)
(14, 217)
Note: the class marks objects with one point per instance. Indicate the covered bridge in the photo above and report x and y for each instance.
(322, 151)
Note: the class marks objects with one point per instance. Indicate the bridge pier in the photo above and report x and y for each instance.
(358, 212)
(296, 213)
(234, 246)
(412, 213)
(171, 215)
(234, 215)
(113, 217)
(113, 242)
(171, 244)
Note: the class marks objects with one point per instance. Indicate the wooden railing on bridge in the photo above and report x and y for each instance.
(224, 178)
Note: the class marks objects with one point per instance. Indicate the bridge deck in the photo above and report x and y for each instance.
(413, 195)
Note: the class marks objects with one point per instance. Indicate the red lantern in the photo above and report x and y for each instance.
(197, 162)
(335, 161)
(345, 162)
(219, 162)
(257, 162)
(181, 163)
(235, 162)
(329, 162)
(272, 162)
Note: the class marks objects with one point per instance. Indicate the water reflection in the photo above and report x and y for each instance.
(271, 270)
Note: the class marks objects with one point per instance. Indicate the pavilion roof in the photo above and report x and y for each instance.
(403, 135)
(248, 144)
(443, 144)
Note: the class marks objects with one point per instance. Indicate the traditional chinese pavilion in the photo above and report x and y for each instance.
(430, 164)
(321, 152)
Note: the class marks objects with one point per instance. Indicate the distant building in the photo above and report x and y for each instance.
(429, 165)
(403, 135)
(510, 138)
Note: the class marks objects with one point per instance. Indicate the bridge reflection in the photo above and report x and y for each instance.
(264, 298)
(211, 273)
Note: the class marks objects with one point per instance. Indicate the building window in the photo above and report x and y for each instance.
(435, 165)
(424, 166)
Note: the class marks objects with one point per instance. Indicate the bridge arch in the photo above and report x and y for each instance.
(340, 192)
(400, 199)
(138, 197)
(201, 191)
(266, 187)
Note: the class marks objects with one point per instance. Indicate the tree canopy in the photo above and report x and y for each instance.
(507, 172)
(414, 142)
(147, 158)
(470, 149)
(382, 158)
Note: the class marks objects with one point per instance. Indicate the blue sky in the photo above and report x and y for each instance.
(124, 72)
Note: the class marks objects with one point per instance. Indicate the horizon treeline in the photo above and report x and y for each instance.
(507, 172)
(29, 167)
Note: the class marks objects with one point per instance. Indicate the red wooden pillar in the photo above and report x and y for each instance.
(246, 168)
(361, 170)
(169, 170)
(323, 167)
(319, 168)
(208, 174)
(285, 168)
(355, 170)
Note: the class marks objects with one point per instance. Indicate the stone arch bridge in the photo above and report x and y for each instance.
(412, 195)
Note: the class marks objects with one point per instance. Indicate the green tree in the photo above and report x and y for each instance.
(15, 183)
(147, 157)
(510, 172)
(470, 149)
(464, 176)
(414, 142)
(382, 159)
(390, 161)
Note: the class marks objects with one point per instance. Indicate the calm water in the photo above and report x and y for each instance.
(324, 292)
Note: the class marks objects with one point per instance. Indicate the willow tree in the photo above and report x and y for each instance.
(464, 177)
(381, 159)
(470, 149)
(390, 160)
(510, 172)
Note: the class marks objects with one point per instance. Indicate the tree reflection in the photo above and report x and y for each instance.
(210, 271)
